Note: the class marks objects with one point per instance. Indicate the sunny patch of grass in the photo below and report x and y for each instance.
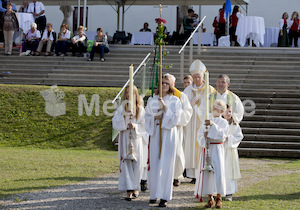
(28, 169)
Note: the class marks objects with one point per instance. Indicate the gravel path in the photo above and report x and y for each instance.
(102, 193)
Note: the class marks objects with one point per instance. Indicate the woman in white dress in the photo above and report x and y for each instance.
(167, 109)
(131, 125)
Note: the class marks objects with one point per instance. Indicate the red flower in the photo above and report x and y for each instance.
(160, 20)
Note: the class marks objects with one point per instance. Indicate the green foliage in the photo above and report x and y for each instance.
(28, 169)
(25, 123)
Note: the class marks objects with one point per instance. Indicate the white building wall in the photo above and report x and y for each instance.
(135, 16)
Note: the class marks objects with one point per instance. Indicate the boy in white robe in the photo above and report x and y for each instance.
(232, 167)
(213, 182)
(128, 122)
(161, 171)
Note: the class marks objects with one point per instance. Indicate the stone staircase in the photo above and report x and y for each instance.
(266, 77)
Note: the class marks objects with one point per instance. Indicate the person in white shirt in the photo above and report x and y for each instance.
(48, 38)
(79, 42)
(37, 8)
(232, 167)
(223, 82)
(214, 130)
(62, 42)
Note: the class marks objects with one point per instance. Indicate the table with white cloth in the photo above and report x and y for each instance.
(271, 37)
(206, 39)
(142, 38)
(25, 20)
(250, 27)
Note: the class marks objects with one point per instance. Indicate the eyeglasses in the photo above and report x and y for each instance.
(165, 83)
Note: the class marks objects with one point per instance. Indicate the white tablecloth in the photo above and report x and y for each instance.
(250, 27)
(206, 39)
(25, 20)
(271, 37)
(142, 38)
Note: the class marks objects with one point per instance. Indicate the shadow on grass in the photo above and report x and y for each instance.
(292, 196)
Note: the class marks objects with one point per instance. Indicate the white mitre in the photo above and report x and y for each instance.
(197, 67)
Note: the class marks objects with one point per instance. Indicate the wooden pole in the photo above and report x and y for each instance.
(160, 84)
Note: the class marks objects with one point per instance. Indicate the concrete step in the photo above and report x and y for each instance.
(270, 145)
(271, 138)
(264, 118)
(263, 152)
(271, 131)
(256, 124)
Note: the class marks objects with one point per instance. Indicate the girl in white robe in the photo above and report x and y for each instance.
(232, 167)
(125, 122)
(208, 182)
(161, 171)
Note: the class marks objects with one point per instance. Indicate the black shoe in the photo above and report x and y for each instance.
(144, 185)
(152, 201)
(193, 181)
(162, 203)
(127, 199)
(176, 182)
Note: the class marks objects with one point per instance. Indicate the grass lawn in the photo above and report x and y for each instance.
(279, 189)
(24, 121)
(27, 169)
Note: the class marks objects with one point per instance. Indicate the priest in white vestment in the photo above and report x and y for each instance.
(222, 93)
(213, 182)
(232, 166)
(185, 117)
(195, 94)
(161, 171)
(127, 122)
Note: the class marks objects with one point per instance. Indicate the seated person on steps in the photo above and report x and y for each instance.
(79, 42)
(48, 38)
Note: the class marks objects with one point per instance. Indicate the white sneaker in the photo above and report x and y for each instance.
(228, 198)
(22, 54)
(27, 52)
(62, 55)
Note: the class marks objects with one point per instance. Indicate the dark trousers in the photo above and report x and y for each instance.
(100, 48)
(78, 47)
(61, 46)
(293, 35)
(30, 45)
(41, 23)
(1, 31)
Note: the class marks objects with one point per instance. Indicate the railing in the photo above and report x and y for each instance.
(191, 50)
(138, 68)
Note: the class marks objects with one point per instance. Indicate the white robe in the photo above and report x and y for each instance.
(237, 105)
(185, 117)
(192, 150)
(161, 173)
(145, 156)
(232, 167)
(130, 171)
(213, 183)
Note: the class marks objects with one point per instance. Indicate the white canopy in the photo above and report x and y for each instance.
(139, 2)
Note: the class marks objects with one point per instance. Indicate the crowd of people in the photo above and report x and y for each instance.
(171, 136)
(41, 36)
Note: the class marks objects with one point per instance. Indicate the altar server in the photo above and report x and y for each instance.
(232, 167)
(195, 94)
(213, 183)
(131, 125)
(185, 117)
(162, 150)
